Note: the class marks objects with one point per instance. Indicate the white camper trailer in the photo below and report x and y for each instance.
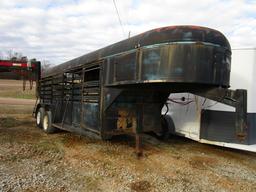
(211, 122)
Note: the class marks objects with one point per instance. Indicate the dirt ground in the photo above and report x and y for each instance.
(31, 160)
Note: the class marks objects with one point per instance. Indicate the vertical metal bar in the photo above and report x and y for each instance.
(52, 90)
(72, 97)
(139, 64)
(24, 82)
(241, 115)
(55, 111)
(114, 69)
(38, 77)
(82, 98)
(101, 96)
(64, 115)
(62, 93)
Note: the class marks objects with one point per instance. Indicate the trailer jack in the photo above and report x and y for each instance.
(138, 142)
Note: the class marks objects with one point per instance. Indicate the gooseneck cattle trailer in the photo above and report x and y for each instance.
(122, 88)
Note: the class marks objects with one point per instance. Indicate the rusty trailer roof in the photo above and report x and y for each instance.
(170, 34)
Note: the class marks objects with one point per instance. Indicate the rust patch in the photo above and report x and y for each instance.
(126, 120)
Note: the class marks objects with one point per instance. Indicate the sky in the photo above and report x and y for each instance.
(59, 30)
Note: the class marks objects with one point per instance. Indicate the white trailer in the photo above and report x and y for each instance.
(211, 122)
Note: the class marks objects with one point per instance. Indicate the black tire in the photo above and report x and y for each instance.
(39, 117)
(167, 127)
(47, 123)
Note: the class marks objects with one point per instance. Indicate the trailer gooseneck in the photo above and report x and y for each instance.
(122, 88)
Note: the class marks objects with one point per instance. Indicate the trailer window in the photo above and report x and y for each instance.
(91, 74)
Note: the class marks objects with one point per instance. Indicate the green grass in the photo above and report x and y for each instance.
(18, 93)
(8, 122)
(48, 146)
(16, 109)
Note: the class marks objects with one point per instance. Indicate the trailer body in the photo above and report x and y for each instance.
(122, 88)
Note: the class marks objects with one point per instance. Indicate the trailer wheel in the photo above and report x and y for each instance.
(167, 127)
(47, 123)
(39, 117)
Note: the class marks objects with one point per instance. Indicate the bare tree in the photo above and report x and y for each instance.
(45, 65)
(15, 56)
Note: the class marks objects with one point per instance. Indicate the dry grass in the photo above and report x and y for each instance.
(17, 93)
(8, 122)
(16, 109)
(14, 89)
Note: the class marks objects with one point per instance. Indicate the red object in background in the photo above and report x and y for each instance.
(27, 71)
(22, 64)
